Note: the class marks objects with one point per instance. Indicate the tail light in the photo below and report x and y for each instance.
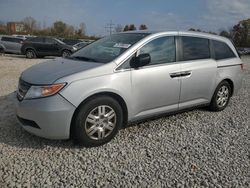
(242, 66)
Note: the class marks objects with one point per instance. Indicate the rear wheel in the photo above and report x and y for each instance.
(97, 121)
(30, 54)
(221, 96)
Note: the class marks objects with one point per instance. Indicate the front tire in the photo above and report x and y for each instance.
(97, 121)
(30, 54)
(66, 53)
(221, 96)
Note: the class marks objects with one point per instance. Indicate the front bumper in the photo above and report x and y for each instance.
(46, 117)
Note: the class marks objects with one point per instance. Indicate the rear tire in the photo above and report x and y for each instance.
(30, 54)
(221, 97)
(97, 121)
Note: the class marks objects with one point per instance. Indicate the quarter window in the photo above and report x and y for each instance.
(222, 50)
(195, 48)
(161, 50)
(49, 41)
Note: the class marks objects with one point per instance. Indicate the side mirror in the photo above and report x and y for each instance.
(140, 61)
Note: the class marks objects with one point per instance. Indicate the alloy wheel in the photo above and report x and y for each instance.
(222, 96)
(100, 122)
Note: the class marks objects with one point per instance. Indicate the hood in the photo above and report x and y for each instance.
(48, 72)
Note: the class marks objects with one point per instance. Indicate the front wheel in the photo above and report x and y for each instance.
(30, 54)
(66, 53)
(97, 121)
(221, 96)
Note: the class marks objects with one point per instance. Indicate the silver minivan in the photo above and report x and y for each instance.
(11, 44)
(124, 78)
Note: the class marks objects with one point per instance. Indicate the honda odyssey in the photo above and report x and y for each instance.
(124, 78)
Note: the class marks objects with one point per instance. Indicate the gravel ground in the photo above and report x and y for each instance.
(192, 149)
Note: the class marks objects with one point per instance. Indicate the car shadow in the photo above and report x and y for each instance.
(12, 134)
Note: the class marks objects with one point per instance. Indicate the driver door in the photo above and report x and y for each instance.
(155, 88)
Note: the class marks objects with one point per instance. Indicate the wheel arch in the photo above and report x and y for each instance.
(30, 48)
(65, 49)
(231, 83)
(117, 97)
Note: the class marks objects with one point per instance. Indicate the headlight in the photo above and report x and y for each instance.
(74, 48)
(43, 91)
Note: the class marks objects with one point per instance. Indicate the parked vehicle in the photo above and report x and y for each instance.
(244, 51)
(81, 45)
(123, 78)
(10, 44)
(45, 46)
(71, 42)
(23, 36)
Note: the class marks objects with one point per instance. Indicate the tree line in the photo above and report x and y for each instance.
(58, 29)
(239, 33)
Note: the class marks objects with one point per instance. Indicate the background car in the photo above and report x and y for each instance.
(81, 45)
(244, 51)
(71, 42)
(45, 46)
(11, 44)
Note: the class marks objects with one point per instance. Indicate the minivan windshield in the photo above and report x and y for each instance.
(108, 48)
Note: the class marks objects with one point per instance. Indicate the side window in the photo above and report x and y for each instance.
(126, 64)
(17, 40)
(49, 41)
(37, 39)
(7, 39)
(222, 50)
(195, 48)
(161, 50)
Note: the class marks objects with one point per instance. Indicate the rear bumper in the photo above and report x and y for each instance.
(46, 117)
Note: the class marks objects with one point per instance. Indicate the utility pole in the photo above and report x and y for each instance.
(109, 27)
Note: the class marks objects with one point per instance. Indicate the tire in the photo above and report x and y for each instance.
(221, 97)
(30, 54)
(2, 50)
(66, 53)
(92, 124)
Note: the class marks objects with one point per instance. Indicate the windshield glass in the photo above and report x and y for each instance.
(58, 40)
(107, 49)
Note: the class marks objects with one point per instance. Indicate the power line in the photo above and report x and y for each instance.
(109, 27)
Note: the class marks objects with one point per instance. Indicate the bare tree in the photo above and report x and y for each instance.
(30, 24)
(82, 27)
(118, 28)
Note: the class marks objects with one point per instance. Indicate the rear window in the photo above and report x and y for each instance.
(195, 48)
(7, 39)
(222, 50)
(12, 39)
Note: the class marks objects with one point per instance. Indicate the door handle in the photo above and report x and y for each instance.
(180, 74)
(185, 74)
(175, 75)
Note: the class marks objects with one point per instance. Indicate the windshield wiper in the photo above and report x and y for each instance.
(83, 58)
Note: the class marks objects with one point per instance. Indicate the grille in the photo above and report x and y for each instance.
(23, 88)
